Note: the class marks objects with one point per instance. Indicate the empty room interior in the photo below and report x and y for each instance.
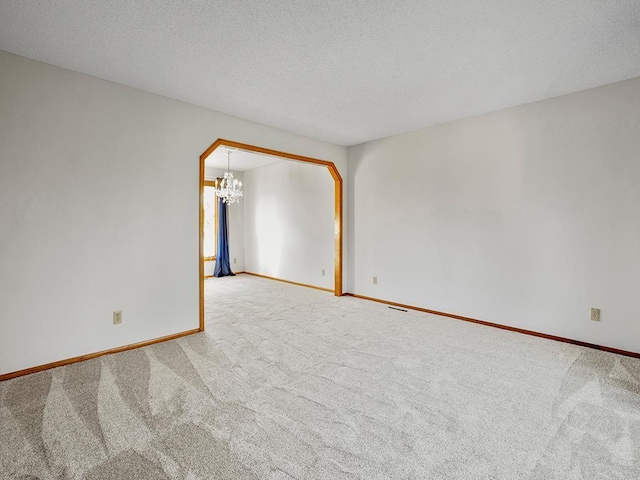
(319, 240)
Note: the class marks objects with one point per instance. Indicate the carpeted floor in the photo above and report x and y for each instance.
(290, 382)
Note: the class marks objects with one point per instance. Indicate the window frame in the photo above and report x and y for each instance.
(212, 184)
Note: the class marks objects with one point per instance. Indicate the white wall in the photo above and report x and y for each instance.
(523, 217)
(83, 231)
(236, 225)
(289, 223)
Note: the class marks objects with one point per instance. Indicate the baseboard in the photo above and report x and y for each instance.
(89, 356)
(213, 276)
(502, 327)
(289, 281)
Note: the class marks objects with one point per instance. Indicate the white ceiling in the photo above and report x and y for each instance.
(239, 160)
(342, 71)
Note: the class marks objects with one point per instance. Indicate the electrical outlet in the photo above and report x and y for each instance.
(235, 260)
(323, 272)
(595, 314)
(375, 280)
(117, 317)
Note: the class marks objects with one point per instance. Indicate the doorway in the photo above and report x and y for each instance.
(337, 210)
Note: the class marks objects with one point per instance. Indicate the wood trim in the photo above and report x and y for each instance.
(288, 281)
(337, 267)
(237, 273)
(212, 276)
(502, 327)
(200, 246)
(210, 183)
(89, 356)
(266, 151)
(338, 207)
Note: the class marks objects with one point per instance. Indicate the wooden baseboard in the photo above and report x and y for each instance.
(213, 276)
(289, 281)
(89, 356)
(502, 327)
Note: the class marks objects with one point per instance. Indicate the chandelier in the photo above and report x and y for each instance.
(229, 189)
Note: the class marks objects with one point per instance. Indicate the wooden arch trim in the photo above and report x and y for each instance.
(338, 197)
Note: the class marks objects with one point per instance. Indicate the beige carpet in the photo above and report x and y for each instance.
(290, 382)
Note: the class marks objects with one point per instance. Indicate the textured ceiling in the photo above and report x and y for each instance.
(342, 71)
(239, 160)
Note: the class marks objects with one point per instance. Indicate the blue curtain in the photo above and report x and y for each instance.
(223, 267)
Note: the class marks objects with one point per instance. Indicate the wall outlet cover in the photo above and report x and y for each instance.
(117, 317)
(595, 314)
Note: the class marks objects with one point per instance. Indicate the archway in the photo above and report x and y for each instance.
(333, 171)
